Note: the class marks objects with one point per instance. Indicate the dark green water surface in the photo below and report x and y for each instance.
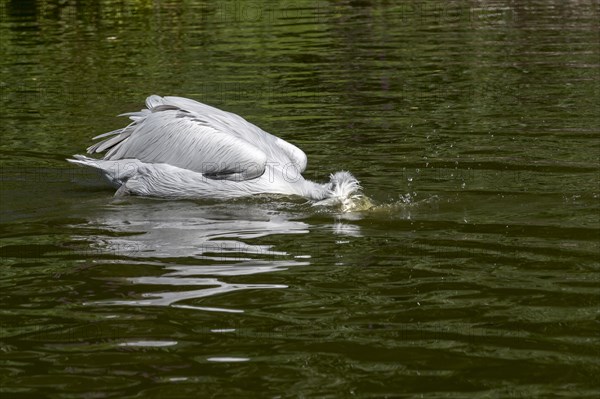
(473, 127)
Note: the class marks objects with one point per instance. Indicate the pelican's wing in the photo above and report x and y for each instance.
(276, 149)
(175, 136)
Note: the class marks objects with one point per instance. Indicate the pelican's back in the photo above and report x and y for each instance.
(188, 134)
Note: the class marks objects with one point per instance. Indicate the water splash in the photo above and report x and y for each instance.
(354, 203)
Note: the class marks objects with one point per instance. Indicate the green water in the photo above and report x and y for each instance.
(473, 127)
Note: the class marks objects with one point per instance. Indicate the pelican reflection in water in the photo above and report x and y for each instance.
(180, 148)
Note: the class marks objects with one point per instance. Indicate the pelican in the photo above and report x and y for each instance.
(179, 148)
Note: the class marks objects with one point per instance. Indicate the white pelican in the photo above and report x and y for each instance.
(180, 148)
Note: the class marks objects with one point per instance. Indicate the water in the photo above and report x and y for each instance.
(473, 128)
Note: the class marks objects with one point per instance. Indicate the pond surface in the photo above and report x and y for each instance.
(473, 128)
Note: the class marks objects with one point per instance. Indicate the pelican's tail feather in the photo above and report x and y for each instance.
(116, 172)
(85, 161)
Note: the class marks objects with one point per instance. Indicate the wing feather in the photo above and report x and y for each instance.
(195, 136)
(277, 150)
(166, 137)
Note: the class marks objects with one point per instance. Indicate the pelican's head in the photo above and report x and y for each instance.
(342, 185)
(343, 189)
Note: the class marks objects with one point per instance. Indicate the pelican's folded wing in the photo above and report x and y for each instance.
(180, 138)
(276, 149)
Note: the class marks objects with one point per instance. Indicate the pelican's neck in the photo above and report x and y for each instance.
(342, 185)
(314, 191)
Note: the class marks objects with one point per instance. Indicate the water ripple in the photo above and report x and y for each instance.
(176, 236)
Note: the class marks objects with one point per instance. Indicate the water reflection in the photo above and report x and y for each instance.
(166, 229)
(197, 246)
